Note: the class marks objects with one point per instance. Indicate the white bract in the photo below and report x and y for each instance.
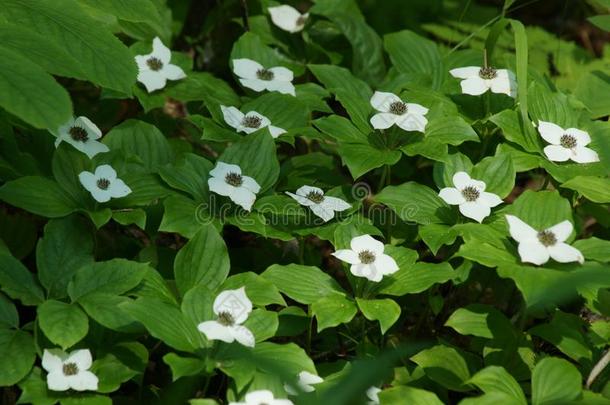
(321, 205)
(478, 80)
(232, 308)
(249, 122)
(538, 246)
(304, 383)
(566, 144)
(262, 397)
(367, 258)
(104, 184)
(392, 110)
(154, 69)
(373, 395)
(474, 202)
(69, 370)
(254, 76)
(288, 18)
(227, 180)
(81, 133)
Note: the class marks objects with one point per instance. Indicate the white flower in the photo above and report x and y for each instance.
(227, 180)
(367, 258)
(254, 76)
(304, 384)
(477, 80)
(566, 144)
(288, 18)
(262, 397)
(69, 370)
(373, 394)
(81, 133)
(471, 196)
(104, 184)
(537, 246)
(408, 116)
(232, 308)
(321, 205)
(249, 122)
(155, 69)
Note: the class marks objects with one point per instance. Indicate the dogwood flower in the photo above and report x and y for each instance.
(373, 395)
(104, 184)
(392, 110)
(538, 246)
(474, 202)
(69, 370)
(249, 122)
(304, 383)
(566, 144)
(81, 133)
(232, 308)
(288, 18)
(478, 80)
(254, 76)
(367, 258)
(155, 69)
(321, 205)
(262, 397)
(227, 180)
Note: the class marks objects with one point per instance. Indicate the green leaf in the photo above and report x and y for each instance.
(496, 379)
(112, 372)
(189, 175)
(554, 381)
(593, 89)
(136, 216)
(564, 333)
(183, 366)
(140, 11)
(497, 172)
(413, 279)
(514, 129)
(283, 110)
(258, 289)
(437, 235)
(34, 388)
(482, 321)
(446, 366)
(38, 195)
(304, 284)
(528, 208)
(544, 105)
(361, 158)
(182, 215)
(105, 309)
(596, 189)
(333, 310)
(263, 324)
(250, 46)
(9, 318)
(18, 353)
(17, 281)
(594, 249)
(408, 395)
(64, 324)
(386, 311)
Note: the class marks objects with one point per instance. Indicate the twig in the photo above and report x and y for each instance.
(599, 367)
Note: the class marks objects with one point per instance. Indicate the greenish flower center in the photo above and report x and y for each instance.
(79, 134)
(470, 193)
(488, 73)
(103, 184)
(315, 196)
(567, 141)
(366, 257)
(154, 64)
(226, 319)
(265, 74)
(70, 369)
(547, 238)
(398, 108)
(251, 121)
(234, 179)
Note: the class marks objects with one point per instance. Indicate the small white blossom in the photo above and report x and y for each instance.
(227, 180)
(104, 184)
(69, 370)
(538, 246)
(477, 80)
(367, 258)
(262, 397)
(566, 144)
(474, 202)
(155, 69)
(321, 205)
(288, 18)
(304, 383)
(394, 111)
(254, 76)
(232, 308)
(249, 122)
(83, 134)
(373, 395)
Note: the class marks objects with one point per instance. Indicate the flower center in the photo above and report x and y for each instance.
(226, 319)
(70, 369)
(78, 134)
(366, 257)
(315, 197)
(103, 184)
(154, 64)
(264, 74)
(547, 238)
(398, 108)
(234, 179)
(251, 121)
(470, 193)
(567, 141)
(487, 73)
(301, 20)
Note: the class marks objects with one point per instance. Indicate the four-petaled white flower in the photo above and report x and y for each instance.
(81, 133)
(155, 69)
(254, 76)
(566, 144)
(262, 397)
(288, 18)
(474, 202)
(373, 395)
(227, 180)
(408, 116)
(477, 80)
(249, 122)
(232, 308)
(367, 258)
(304, 383)
(321, 205)
(69, 370)
(538, 246)
(104, 184)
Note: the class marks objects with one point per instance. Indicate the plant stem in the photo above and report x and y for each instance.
(244, 16)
